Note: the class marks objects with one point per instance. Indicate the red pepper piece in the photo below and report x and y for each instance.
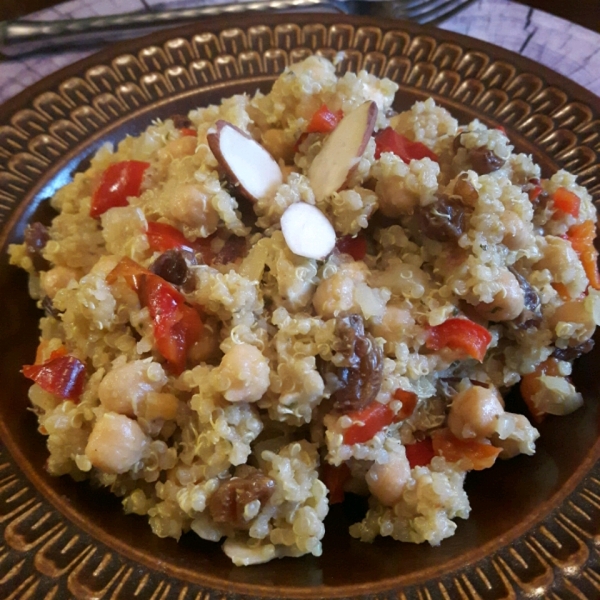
(324, 120)
(176, 325)
(335, 478)
(130, 271)
(356, 247)
(460, 334)
(369, 421)
(582, 239)
(420, 453)
(188, 131)
(163, 237)
(388, 140)
(566, 201)
(63, 376)
(481, 453)
(409, 403)
(119, 182)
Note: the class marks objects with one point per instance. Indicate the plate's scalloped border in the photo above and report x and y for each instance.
(44, 555)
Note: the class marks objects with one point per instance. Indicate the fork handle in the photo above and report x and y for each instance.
(20, 37)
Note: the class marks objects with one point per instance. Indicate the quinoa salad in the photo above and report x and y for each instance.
(256, 309)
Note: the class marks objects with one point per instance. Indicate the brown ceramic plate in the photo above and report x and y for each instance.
(535, 522)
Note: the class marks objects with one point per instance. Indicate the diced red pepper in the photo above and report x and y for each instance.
(369, 421)
(176, 325)
(388, 140)
(324, 120)
(582, 239)
(481, 454)
(62, 375)
(502, 129)
(460, 334)
(163, 237)
(534, 193)
(420, 453)
(356, 246)
(188, 131)
(409, 403)
(566, 201)
(530, 385)
(130, 271)
(335, 478)
(119, 182)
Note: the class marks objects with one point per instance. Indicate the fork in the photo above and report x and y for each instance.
(20, 37)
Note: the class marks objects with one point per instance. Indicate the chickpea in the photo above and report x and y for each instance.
(517, 234)
(191, 206)
(56, 279)
(182, 146)
(243, 375)
(115, 444)
(564, 265)
(387, 481)
(474, 412)
(276, 142)
(507, 304)
(394, 199)
(395, 323)
(122, 389)
(335, 295)
(575, 311)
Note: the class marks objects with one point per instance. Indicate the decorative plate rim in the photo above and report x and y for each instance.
(586, 479)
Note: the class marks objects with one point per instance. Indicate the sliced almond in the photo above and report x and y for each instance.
(307, 231)
(342, 151)
(247, 164)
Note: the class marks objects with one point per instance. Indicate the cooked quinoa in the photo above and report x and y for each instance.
(218, 381)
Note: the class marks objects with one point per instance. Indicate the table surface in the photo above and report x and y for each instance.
(563, 35)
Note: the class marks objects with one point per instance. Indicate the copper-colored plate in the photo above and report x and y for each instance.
(535, 523)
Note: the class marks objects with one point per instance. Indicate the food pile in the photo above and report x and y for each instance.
(260, 307)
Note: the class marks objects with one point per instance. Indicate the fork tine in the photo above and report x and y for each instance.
(435, 10)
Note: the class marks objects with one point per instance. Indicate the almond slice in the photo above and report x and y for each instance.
(342, 151)
(307, 231)
(246, 163)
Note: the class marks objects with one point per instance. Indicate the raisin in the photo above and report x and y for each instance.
(228, 502)
(484, 161)
(49, 308)
(181, 121)
(361, 371)
(445, 220)
(532, 312)
(233, 249)
(172, 267)
(36, 237)
(574, 352)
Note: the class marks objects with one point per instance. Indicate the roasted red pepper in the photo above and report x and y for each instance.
(582, 239)
(388, 140)
(460, 334)
(163, 237)
(188, 131)
(119, 182)
(177, 326)
(61, 375)
(566, 201)
(481, 454)
(335, 478)
(324, 120)
(356, 247)
(420, 453)
(370, 420)
(409, 403)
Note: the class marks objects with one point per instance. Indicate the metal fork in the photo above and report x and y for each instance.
(23, 37)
